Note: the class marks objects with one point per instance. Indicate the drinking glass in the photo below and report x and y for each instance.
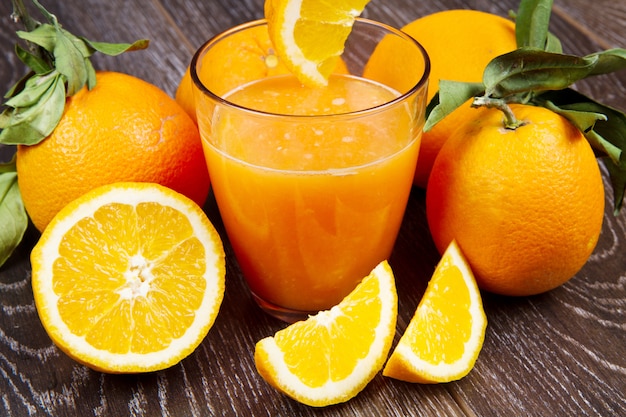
(312, 183)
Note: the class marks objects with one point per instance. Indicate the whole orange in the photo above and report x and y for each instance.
(242, 58)
(124, 129)
(525, 205)
(460, 43)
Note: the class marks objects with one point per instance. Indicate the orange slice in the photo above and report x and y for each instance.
(128, 278)
(309, 35)
(330, 357)
(445, 336)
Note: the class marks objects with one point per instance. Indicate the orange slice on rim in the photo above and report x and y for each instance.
(309, 35)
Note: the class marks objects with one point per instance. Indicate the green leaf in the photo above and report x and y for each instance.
(618, 182)
(18, 86)
(69, 55)
(13, 217)
(452, 94)
(609, 61)
(54, 50)
(34, 62)
(30, 125)
(34, 88)
(607, 135)
(91, 74)
(525, 70)
(114, 49)
(7, 167)
(585, 122)
(44, 36)
(582, 110)
(553, 44)
(613, 130)
(531, 23)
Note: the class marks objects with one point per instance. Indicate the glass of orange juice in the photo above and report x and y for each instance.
(311, 183)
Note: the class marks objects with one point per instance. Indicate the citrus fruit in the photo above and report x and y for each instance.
(241, 58)
(330, 357)
(460, 43)
(309, 36)
(525, 205)
(446, 334)
(128, 277)
(124, 129)
(238, 59)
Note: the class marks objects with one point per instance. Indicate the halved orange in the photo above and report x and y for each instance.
(330, 357)
(445, 336)
(309, 35)
(128, 278)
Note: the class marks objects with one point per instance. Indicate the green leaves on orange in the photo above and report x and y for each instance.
(538, 73)
(60, 64)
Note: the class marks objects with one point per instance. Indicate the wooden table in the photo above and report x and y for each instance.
(558, 354)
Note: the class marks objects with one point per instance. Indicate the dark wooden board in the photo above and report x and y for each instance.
(560, 353)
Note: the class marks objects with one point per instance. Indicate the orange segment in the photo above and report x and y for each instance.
(330, 357)
(445, 336)
(309, 35)
(129, 277)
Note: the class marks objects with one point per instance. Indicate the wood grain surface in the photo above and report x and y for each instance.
(562, 353)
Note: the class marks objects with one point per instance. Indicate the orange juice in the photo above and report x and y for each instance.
(313, 194)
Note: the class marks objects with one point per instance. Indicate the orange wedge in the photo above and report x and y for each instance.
(445, 336)
(330, 357)
(128, 278)
(309, 35)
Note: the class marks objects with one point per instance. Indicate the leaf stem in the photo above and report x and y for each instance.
(510, 121)
(20, 14)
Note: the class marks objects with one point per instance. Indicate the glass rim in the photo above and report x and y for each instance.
(421, 83)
